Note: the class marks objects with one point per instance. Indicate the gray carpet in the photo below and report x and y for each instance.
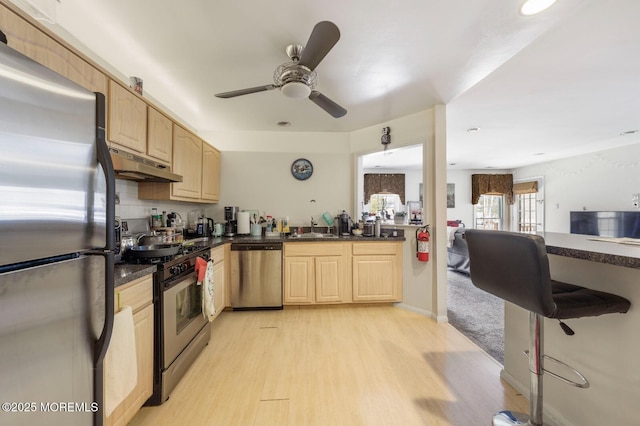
(477, 314)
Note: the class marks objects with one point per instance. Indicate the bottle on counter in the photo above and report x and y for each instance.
(378, 227)
(156, 219)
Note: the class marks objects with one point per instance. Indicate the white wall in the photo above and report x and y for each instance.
(424, 284)
(603, 180)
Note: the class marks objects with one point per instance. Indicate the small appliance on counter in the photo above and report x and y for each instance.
(230, 217)
(345, 223)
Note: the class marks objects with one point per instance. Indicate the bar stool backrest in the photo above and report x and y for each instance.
(513, 267)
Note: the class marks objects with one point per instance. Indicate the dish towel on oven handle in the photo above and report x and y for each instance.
(204, 271)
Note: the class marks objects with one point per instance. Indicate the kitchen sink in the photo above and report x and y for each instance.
(310, 235)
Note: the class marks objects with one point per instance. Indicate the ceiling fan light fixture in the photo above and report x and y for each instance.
(296, 89)
(533, 7)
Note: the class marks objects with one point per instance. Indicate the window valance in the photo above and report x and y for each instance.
(496, 184)
(525, 187)
(380, 183)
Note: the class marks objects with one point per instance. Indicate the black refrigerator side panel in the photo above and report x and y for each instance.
(50, 316)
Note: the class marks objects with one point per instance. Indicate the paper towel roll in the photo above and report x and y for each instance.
(243, 223)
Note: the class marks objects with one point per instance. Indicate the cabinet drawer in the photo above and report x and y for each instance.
(373, 248)
(137, 294)
(313, 249)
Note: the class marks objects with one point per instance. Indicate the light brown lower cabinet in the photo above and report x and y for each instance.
(342, 272)
(377, 272)
(219, 277)
(315, 273)
(139, 295)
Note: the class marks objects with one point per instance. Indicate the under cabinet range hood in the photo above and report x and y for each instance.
(133, 167)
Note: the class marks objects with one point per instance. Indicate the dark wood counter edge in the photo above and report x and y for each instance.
(591, 255)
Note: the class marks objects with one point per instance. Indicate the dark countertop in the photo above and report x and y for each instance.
(125, 272)
(250, 239)
(586, 248)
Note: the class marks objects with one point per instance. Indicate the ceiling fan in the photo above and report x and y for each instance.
(298, 78)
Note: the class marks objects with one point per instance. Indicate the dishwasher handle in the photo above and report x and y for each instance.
(255, 246)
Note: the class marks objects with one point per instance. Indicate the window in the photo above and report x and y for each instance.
(385, 205)
(488, 212)
(527, 213)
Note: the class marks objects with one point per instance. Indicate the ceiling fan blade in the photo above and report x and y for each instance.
(327, 104)
(248, 91)
(323, 37)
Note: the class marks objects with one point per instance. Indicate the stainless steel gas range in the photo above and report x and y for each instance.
(181, 329)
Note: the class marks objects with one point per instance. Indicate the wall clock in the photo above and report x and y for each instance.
(302, 169)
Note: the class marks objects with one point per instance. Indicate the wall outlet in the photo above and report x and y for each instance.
(635, 201)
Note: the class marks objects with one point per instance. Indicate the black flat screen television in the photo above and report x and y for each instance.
(606, 224)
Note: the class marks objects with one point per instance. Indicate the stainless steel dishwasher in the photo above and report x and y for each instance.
(256, 275)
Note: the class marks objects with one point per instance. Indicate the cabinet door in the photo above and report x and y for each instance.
(299, 280)
(159, 136)
(375, 278)
(329, 279)
(126, 119)
(143, 329)
(218, 287)
(187, 162)
(210, 173)
(143, 323)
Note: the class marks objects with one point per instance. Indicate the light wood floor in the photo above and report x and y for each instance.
(336, 366)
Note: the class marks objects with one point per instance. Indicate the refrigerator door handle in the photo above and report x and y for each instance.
(100, 348)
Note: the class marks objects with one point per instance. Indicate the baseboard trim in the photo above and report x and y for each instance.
(414, 309)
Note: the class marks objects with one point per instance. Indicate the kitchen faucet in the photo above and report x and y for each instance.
(313, 225)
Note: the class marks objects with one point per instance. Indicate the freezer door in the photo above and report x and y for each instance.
(50, 319)
(52, 191)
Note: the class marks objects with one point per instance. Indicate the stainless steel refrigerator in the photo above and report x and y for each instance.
(57, 193)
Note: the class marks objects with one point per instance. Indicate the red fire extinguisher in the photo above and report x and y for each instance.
(422, 244)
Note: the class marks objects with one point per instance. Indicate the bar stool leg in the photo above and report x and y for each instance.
(536, 370)
(536, 367)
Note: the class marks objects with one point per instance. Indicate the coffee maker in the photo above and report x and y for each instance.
(230, 217)
(345, 223)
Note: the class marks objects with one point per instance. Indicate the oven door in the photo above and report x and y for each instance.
(182, 316)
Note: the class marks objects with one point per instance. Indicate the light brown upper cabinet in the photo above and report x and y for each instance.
(187, 162)
(210, 173)
(199, 165)
(126, 119)
(159, 135)
(27, 39)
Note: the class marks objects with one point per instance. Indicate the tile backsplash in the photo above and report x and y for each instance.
(131, 207)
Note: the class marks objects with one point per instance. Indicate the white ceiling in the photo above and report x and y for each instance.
(550, 86)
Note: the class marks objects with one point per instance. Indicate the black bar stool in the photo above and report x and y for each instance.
(515, 267)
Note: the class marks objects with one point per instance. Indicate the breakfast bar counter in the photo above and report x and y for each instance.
(595, 249)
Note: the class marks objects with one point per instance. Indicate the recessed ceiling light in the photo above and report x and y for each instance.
(473, 129)
(532, 7)
(284, 123)
(629, 132)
